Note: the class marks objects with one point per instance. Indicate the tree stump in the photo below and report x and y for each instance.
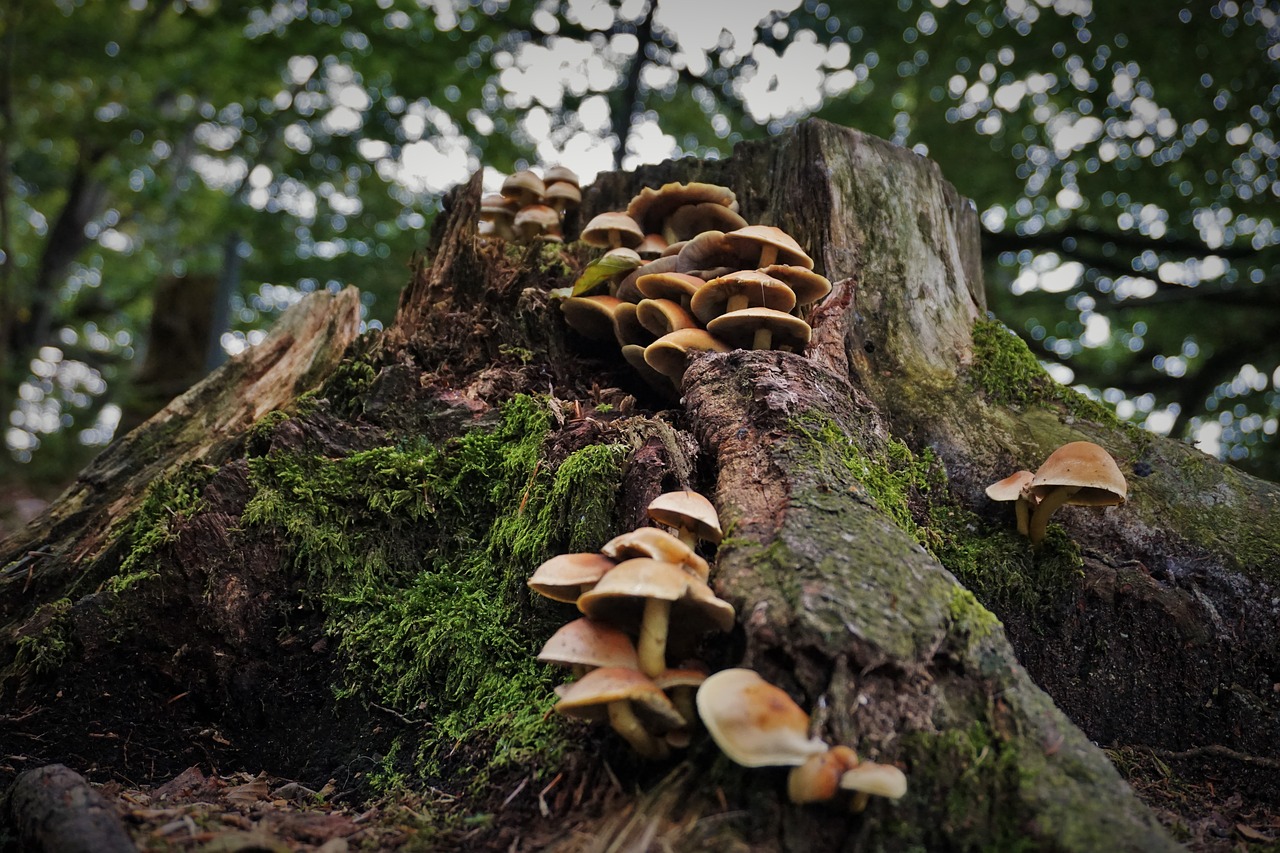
(308, 574)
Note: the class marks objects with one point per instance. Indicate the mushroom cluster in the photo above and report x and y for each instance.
(645, 601)
(690, 274)
(1079, 473)
(530, 207)
(756, 724)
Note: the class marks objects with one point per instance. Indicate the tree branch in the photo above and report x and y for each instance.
(622, 107)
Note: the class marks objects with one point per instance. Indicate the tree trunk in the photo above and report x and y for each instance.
(354, 565)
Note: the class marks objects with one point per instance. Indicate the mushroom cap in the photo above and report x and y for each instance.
(620, 602)
(882, 780)
(684, 677)
(1087, 466)
(762, 291)
(808, 285)
(651, 207)
(588, 643)
(524, 186)
(591, 316)
(687, 510)
(759, 236)
(670, 353)
(603, 224)
(633, 354)
(818, 779)
(1010, 488)
(709, 254)
(535, 219)
(661, 316)
(668, 285)
(628, 329)
(755, 723)
(629, 288)
(561, 578)
(690, 220)
(588, 697)
(738, 328)
(652, 246)
(563, 195)
(497, 206)
(657, 544)
(560, 174)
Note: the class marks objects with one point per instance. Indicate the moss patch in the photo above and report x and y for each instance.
(42, 645)
(417, 554)
(169, 501)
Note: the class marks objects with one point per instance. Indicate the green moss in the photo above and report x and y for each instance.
(169, 500)
(969, 616)
(347, 385)
(1007, 372)
(417, 554)
(43, 648)
(258, 439)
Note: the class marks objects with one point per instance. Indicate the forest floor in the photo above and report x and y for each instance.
(243, 812)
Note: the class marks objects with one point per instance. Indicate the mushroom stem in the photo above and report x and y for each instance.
(625, 722)
(768, 254)
(652, 646)
(763, 339)
(1048, 506)
(615, 238)
(736, 302)
(687, 537)
(1022, 508)
(682, 698)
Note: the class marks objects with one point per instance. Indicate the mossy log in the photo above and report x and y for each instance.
(354, 563)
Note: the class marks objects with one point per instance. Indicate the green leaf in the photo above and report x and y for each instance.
(600, 270)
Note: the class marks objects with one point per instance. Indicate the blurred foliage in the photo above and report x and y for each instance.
(1122, 156)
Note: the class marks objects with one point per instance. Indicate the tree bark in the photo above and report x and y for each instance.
(850, 479)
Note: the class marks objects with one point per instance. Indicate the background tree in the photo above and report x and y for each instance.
(1123, 157)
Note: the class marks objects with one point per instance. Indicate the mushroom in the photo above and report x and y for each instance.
(633, 354)
(629, 289)
(662, 316)
(669, 354)
(586, 644)
(612, 229)
(525, 187)
(1014, 488)
(657, 544)
(497, 209)
(624, 696)
(563, 197)
(643, 595)
(692, 516)
(690, 220)
(560, 175)
(755, 723)
(591, 316)
(818, 779)
(737, 290)
(681, 686)
(1079, 473)
(538, 220)
(807, 285)
(869, 778)
(773, 245)
(566, 576)
(652, 246)
(676, 286)
(628, 329)
(761, 328)
(651, 208)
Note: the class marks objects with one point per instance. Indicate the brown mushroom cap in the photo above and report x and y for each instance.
(741, 329)
(755, 723)
(808, 285)
(584, 642)
(591, 316)
(738, 290)
(709, 255)
(563, 197)
(687, 510)
(1010, 488)
(495, 206)
(770, 245)
(1086, 466)
(628, 329)
(881, 780)
(676, 286)
(563, 576)
(651, 207)
(657, 544)
(652, 246)
(621, 601)
(690, 220)
(524, 186)
(537, 220)
(669, 354)
(818, 779)
(633, 354)
(587, 697)
(613, 229)
(662, 316)
(560, 174)
(629, 288)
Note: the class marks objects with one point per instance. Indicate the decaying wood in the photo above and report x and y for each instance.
(1167, 640)
(53, 810)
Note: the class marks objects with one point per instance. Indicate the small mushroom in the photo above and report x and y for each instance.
(652, 246)
(738, 290)
(1079, 473)
(669, 354)
(644, 595)
(651, 208)
(693, 516)
(585, 644)
(566, 576)
(773, 245)
(755, 723)
(562, 197)
(690, 220)
(538, 220)
(657, 544)
(591, 316)
(807, 285)
(628, 288)
(612, 229)
(1014, 488)
(818, 779)
(870, 779)
(662, 316)
(498, 210)
(761, 328)
(633, 704)
(676, 286)
(681, 686)
(525, 187)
